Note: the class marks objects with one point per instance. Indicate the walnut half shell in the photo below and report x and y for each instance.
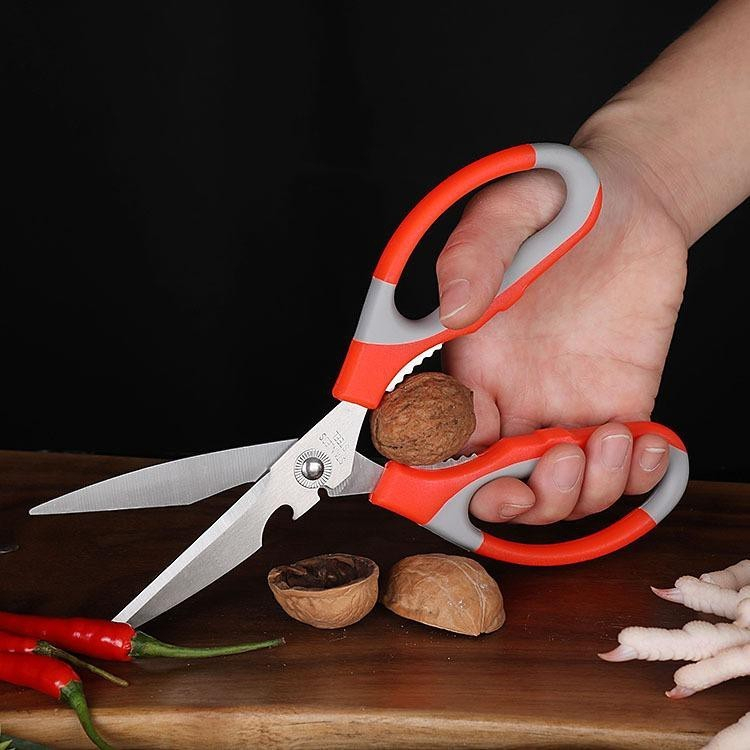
(445, 591)
(327, 591)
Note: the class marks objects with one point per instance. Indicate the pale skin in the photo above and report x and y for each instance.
(587, 343)
(721, 651)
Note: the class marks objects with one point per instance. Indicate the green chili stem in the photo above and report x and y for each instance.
(72, 694)
(145, 645)
(47, 649)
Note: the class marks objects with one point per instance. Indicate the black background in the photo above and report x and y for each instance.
(191, 185)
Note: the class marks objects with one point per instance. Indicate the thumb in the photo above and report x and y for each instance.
(495, 222)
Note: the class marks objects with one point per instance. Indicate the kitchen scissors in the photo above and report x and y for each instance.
(386, 347)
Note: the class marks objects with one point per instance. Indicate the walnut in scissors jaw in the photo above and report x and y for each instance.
(426, 419)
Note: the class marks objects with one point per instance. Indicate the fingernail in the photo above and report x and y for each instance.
(510, 510)
(651, 458)
(454, 297)
(566, 472)
(614, 450)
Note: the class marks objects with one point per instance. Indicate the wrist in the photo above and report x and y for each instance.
(682, 123)
(622, 133)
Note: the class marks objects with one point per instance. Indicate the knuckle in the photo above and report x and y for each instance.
(454, 251)
(596, 502)
(488, 199)
(549, 513)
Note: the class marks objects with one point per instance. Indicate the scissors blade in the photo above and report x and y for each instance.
(179, 482)
(365, 475)
(238, 533)
(235, 536)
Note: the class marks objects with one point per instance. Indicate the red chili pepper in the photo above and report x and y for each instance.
(10, 643)
(55, 678)
(115, 641)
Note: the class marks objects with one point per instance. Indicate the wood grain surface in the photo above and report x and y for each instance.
(384, 682)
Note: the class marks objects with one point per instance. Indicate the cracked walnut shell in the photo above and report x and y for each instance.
(424, 420)
(327, 591)
(445, 591)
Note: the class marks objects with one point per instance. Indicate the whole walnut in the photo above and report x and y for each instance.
(424, 420)
(445, 591)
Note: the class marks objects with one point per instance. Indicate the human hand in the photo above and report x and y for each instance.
(586, 344)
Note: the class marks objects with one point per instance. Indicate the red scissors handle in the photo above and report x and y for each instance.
(385, 342)
(438, 499)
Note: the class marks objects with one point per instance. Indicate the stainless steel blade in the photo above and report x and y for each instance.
(239, 532)
(180, 482)
(365, 475)
(231, 539)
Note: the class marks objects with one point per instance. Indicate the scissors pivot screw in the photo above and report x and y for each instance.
(312, 469)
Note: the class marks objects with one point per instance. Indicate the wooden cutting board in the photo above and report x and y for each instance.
(386, 681)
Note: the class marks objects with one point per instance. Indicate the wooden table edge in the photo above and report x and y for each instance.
(300, 727)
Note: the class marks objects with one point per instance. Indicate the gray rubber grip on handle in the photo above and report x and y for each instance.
(382, 323)
(452, 521)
